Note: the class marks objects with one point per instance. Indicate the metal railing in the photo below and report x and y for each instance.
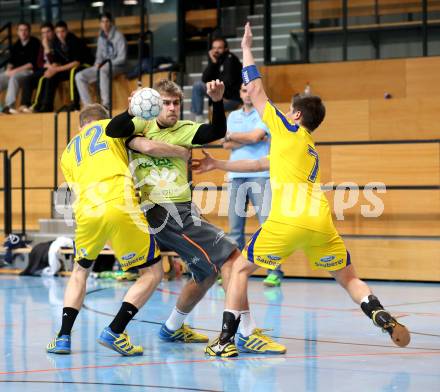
(8, 38)
(308, 34)
(110, 80)
(7, 190)
(65, 108)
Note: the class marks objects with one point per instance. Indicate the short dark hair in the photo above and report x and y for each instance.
(107, 15)
(62, 24)
(312, 110)
(48, 25)
(92, 112)
(22, 23)
(220, 38)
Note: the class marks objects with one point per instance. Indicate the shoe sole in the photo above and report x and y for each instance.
(59, 352)
(400, 335)
(271, 284)
(267, 352)
(111, 347)
(183, 341)
(212, 353)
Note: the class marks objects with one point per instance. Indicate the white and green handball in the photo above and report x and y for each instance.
(146, 103)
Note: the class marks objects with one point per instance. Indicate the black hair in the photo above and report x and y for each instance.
(312, 110)
(47, 24)
(25, 24)
(61, 23)
(220, 38)
(107, 15)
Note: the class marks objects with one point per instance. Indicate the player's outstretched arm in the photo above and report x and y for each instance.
(245, 165)
(251, 77)
(122, 125)
(158, 149)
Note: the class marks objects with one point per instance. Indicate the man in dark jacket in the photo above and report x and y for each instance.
(69, 54)
(222, 65)
(22, 62)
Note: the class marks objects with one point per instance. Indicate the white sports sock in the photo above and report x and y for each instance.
(176, 319)
(247, 323)
(365, 299)
(236, 313)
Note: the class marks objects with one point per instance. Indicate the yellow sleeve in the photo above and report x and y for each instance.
(67, 169)
(277, 121)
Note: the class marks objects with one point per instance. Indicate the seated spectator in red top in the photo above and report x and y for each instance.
(69, 54)
(45, 59)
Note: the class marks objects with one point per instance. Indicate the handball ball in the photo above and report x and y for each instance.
(146, 103)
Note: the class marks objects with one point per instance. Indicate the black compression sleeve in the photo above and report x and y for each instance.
(208, 133)
(120, 125)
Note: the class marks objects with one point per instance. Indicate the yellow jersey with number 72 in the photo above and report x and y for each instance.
(297, 198)
(96, 166)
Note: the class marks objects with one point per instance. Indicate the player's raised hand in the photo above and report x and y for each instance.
(203, 165)
(246, 42)
(215, 90)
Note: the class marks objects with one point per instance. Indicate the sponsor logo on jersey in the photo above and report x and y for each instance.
(266, 260)
(327, 259)
(272, 257)
(128, 256)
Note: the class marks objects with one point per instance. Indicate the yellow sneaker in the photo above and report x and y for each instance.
(259, 343)
(119, 342)
(184, 334)
(215, 349)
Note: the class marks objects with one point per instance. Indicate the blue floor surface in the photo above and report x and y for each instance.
(331, 344)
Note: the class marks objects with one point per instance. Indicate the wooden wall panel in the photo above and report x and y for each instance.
(404, 213)
(398, 164)
(337, 81)
(422, 77)
(37, 207)
(380, 259)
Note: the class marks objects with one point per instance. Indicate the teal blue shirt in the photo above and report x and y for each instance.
(240, 121)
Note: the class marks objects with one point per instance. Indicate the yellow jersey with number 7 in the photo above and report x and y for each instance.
(96, 166)
(297, 198)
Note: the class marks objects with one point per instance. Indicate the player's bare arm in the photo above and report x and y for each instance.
(245, 165)
(255, 136)
(231, 145)
(255, 86)
(158, 149)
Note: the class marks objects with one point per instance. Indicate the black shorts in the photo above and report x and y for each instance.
(202, 246)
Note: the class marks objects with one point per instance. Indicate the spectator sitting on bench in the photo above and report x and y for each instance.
(70, 53)
(111, 45)
(45, 59)
(22, 62)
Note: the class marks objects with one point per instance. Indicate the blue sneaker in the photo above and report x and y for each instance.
(119, 342)
(184, 334)
(59, 345)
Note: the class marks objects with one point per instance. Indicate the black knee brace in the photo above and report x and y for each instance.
(372, 305)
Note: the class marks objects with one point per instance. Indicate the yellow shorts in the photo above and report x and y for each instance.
(124, 227)
(275, 241)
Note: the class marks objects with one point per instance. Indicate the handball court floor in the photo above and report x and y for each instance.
(331, 345)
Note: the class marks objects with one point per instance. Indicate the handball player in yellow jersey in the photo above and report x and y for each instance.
(106, 209)
(300, 216)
